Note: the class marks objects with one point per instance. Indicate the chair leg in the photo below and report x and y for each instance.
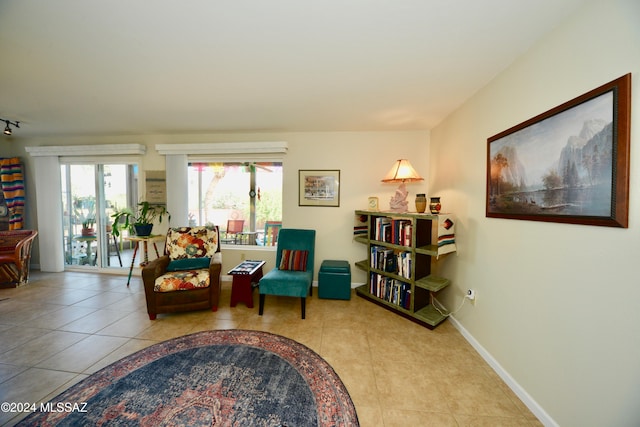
(261, 306)
(152, 316)
(303, 304)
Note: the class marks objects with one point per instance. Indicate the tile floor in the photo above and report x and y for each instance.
(62, 327)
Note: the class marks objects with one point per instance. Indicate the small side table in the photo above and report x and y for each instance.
(245, 275)
(89, 241)
(145, 240)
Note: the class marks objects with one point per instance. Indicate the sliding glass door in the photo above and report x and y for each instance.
(90, 194)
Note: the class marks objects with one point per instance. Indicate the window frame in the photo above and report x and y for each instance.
(194, 159)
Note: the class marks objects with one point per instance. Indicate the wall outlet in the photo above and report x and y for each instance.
(242, 256)
(471, 295)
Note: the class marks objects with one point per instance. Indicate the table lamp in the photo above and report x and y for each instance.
(401, 172)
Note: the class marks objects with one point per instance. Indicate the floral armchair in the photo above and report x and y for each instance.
(187, 276)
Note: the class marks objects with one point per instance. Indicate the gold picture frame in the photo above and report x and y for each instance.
(318, 187)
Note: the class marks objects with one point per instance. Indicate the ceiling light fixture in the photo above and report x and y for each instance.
(7, 129)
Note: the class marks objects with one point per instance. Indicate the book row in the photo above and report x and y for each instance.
(390, 261)
(391, 290)
(395, 231)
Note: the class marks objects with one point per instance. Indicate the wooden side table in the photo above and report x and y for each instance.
(245, 275)
(145, 240)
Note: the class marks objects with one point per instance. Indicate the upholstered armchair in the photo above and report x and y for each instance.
(293, 274)
(187, 276)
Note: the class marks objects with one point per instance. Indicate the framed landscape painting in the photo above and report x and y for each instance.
(569, 164)
(319, 188)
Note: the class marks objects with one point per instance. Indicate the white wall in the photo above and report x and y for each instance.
(363, 159)
(558, 305)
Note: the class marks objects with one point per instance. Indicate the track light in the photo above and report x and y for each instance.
(7, 129)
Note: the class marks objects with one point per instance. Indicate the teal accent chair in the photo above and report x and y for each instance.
(286, 282)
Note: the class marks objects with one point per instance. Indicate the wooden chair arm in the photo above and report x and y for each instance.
(22, 248)
(154, 269)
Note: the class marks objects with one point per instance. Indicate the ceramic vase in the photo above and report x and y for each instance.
(421, 203)
(143, 230)
(434, 205)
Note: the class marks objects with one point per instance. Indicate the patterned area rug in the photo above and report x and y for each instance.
(211, 378)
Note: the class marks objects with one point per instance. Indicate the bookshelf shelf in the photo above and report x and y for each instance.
(398, 264)
(361, 239)
(433, 283)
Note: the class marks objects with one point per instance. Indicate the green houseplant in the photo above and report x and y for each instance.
(141, 219)
(84, 211)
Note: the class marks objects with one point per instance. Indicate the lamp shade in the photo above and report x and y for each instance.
(402, 171)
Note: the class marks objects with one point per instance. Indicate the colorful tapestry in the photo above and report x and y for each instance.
(12, 180)
(446, 234)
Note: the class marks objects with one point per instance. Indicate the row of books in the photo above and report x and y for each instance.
(388, 260)
(396, 231)
(391, 290)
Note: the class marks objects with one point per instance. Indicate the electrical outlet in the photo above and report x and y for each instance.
(242, 256)
(471, 295)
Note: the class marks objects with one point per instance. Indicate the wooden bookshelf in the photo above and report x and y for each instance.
(406, 290)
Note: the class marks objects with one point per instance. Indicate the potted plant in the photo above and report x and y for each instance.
(85, 213)
(87, 226)
(139, 220)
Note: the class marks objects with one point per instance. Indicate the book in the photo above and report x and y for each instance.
(246, 267)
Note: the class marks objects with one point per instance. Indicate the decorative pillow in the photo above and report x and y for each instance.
(295, 260)
(189, 264)
(182, 281)
(191, 242)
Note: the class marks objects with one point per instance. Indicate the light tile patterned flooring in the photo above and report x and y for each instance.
(61, 327)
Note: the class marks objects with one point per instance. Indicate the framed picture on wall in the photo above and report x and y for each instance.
(569, 164)
(319, 188)
(156, 185)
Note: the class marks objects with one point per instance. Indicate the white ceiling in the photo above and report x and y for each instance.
(74, 67)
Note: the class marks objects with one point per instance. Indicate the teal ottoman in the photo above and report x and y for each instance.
(334, 280)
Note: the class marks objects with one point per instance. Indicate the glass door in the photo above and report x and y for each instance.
(79, 214)
(90, 194)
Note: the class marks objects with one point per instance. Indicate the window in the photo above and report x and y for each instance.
(246, 191)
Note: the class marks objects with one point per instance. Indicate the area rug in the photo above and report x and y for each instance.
(211, 378)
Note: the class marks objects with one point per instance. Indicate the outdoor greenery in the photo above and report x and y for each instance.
(268, 208)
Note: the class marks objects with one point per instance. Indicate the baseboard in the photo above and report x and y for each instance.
(526, 398)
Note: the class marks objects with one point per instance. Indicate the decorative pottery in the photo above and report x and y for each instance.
(88, 232)
(421, 203)
(143, 230)
(434, 205)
